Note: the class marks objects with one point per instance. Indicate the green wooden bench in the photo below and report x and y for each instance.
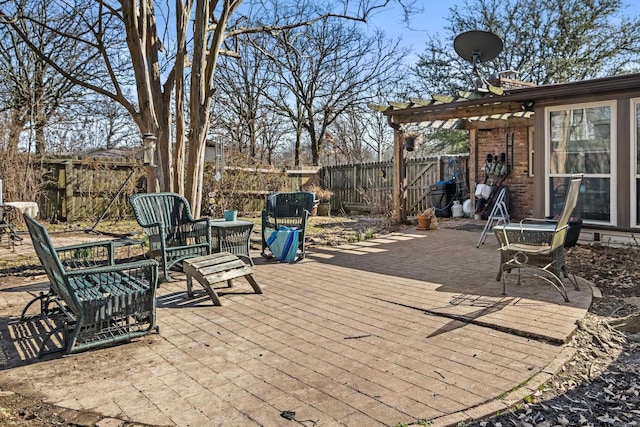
(92, 300)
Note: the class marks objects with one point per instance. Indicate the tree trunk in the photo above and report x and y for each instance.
(15, 129)
(252, 139)
(205, 58)
(182, 22)
(315, 146)
(154, 99)
(195, 165)
(296, 149)
(40, 139)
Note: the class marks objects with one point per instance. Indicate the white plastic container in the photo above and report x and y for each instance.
(466, 208)
(483, 191)
(456, 209)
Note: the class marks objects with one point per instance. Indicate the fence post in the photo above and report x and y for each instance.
(68, 190)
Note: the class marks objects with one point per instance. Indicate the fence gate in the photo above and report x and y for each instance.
(369, 186)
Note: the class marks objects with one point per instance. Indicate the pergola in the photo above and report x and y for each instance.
(482, 109)
(470, 111)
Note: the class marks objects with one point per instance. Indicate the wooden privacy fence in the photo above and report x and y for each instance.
(81, 189)
(369, 186)
(246, 188)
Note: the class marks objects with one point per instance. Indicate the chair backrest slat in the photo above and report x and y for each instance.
(569, 206)
(290, 205)
(50, 261)
(167, 209)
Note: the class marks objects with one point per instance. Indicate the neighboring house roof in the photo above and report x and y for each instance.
(114, 153)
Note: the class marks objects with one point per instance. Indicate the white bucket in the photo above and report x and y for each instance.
(456, 209)
(466, 208)
(483, 191)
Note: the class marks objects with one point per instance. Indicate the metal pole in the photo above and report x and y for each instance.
(113, 200)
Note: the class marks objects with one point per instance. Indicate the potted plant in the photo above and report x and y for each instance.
(323, 199)
(426, 219)
(230, 214)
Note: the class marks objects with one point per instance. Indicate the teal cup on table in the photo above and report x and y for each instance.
(230, 215)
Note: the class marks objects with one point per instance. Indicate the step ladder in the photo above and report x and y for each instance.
(499, 215)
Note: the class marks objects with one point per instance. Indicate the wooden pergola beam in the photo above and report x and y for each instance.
(452, 111)
(498, 123)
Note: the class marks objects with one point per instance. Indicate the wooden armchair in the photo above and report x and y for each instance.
(540, 249)
(174, 235)
(92, 300)
(289, 210)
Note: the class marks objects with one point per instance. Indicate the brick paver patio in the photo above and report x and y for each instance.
(411, 326)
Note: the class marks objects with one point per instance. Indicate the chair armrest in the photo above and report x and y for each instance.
(89, 245)
(303, 221)
(267, 220)
(149, 224)
(196, 226)
(204, 219)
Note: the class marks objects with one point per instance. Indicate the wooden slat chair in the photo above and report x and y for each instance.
(289, 209)
(174, 235)
(542, 251)
(92, 300)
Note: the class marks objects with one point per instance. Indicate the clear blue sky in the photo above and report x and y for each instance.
(433, 19)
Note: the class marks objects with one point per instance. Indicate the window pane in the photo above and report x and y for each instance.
(638, 139)
(638, 201)
(559, 187)
(581, 141)
(594, 200)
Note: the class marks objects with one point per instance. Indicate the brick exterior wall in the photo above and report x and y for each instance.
(520, 184)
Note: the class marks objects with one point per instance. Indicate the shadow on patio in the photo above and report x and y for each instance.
(407, 327)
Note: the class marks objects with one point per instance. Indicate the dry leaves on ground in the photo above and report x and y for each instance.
(600, 386)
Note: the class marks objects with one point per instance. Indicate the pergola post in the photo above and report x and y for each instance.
(399, 176)
(473, 168)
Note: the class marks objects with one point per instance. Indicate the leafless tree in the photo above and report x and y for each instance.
(30, 89)
(173, 64)
(379, 133)
(272, 136)
(94, 122)
(111, 124)
(364, 132)
(239, 103)
(546, 41)
(327, 69)
(350, 136)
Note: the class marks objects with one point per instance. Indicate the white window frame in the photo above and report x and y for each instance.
(634, 173)
(612, 175)
(531, 152)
